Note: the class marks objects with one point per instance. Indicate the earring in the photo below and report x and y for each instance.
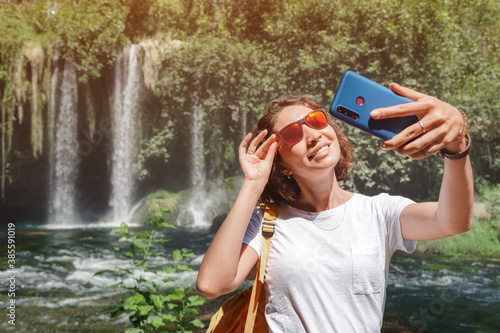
(289, 176)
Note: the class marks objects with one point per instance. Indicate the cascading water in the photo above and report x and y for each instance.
(243, 122)
(52, 123)
(64, 147)
(126, 95)
(206, 197)
(192, 213)
(195, 205)
(197, 157)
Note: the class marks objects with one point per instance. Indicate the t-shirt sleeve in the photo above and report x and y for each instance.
(253, 233)
(392, 207)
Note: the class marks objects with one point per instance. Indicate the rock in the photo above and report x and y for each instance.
(394, 323)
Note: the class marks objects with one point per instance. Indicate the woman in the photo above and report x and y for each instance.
(328, 263)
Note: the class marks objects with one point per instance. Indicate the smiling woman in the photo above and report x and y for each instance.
(329, 243)
(280, 186)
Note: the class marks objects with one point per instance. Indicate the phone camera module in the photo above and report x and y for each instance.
(360, 100)
(347, 113)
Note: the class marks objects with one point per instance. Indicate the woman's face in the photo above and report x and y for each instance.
(318, 149)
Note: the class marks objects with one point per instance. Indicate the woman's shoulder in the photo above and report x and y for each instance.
(379, 196)
(382, 200)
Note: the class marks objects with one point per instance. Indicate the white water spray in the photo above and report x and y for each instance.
(197, 202)
(64, 147)
(126, 95)
(197, 147)
(206, 196)
(52, 120)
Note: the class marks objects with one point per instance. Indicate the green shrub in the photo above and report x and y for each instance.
(482, 239)
(484, 236)
(151, 309)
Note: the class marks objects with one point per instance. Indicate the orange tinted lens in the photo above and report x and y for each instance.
(292, 133)
(317, 120)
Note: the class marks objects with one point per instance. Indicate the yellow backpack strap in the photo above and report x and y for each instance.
(270, 212)
(270, 215)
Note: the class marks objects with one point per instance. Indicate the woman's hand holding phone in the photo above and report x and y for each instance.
(439, 125)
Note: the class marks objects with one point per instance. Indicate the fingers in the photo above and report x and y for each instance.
(406, 92)
(252, 148)
(273, 149)
(421, 103)
(256, 148)
(422, 146)
(244, 143)
(438, 125)
(410, 133)
(418, 108)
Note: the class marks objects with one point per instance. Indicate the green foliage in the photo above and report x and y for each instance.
(229, 80)
(233, 68)
(490, 196)
(155, 147)
(160, 194)
(484, 236)
(150, 307)
(237, 56)
(89, 33)
(482, 239)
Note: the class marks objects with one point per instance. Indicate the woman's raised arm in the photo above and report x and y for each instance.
(440, 126)
(227, 262)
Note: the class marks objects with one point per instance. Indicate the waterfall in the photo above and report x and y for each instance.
(52, 124)
(64, 146)
(243, 121)
(206, 197)
(193, 212)
(197, 146)
(126, 95)
(52, 111)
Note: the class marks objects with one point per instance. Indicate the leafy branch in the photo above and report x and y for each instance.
(149, 305)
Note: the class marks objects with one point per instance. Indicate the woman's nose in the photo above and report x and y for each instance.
(310, 134)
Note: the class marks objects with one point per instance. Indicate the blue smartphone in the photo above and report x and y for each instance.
(357, 96)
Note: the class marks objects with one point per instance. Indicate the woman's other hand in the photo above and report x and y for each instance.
(257, 161)
(440, 124)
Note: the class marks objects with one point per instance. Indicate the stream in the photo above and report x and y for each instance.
(56, 290)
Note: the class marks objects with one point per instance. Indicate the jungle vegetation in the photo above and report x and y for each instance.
(232, 57)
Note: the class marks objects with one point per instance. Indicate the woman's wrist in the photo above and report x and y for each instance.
(460, 147)
(456, 146)
(253, 186)
(457, 150)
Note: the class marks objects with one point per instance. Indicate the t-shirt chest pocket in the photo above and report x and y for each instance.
(367, 273)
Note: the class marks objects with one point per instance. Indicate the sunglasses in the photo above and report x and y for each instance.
(292, 133)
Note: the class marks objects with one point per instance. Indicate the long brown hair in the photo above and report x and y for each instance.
(280, 188)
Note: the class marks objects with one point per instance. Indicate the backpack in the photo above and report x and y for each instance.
(244, 312)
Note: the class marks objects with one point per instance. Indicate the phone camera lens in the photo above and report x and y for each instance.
(347, 113)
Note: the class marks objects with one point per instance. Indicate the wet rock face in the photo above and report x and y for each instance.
(26, 197)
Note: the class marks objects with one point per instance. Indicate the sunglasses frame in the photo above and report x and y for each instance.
(300, 122)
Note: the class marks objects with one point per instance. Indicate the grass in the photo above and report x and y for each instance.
(482, 239)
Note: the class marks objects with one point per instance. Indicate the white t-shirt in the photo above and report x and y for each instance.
(327, 271)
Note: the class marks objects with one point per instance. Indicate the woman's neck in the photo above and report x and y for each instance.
(320, 195)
